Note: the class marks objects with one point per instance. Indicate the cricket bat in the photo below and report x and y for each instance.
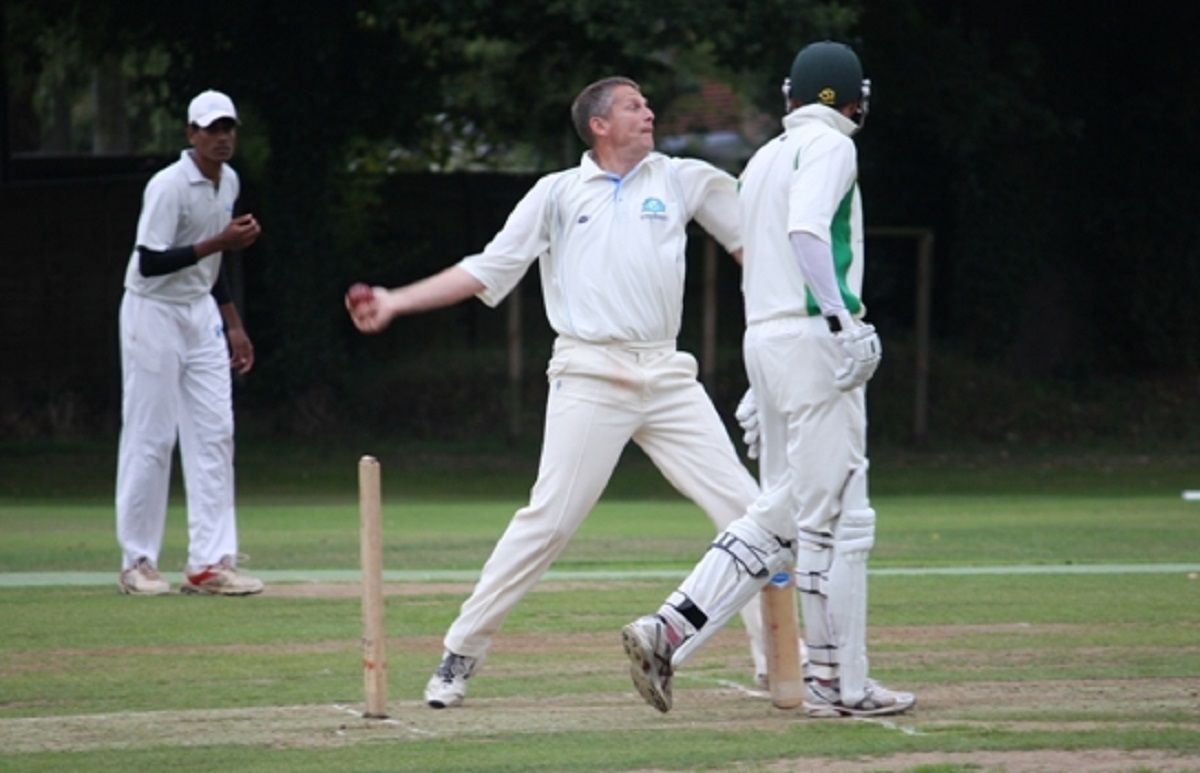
(784, 675)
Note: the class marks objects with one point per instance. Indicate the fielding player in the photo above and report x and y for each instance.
(176, 315)
(609, 238)
(808, 356)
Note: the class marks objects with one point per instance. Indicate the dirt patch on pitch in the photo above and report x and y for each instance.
(699, 704)
(1094, 761)
(706, 698)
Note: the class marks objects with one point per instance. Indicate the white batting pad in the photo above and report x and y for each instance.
(853, 538)
(736, 566)
(814, 554)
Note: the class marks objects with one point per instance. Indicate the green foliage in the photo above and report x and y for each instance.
(1048, 198)
(58, 55)
(1054, 256)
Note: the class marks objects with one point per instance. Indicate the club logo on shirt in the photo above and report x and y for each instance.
(654, 209)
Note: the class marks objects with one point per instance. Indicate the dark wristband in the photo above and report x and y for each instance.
(156, 263)
(835, 324)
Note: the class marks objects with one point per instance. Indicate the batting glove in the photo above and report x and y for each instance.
(747, 418)
(863, 351)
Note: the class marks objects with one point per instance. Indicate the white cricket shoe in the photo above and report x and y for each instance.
(649, 652)
(142, 579)
(221, 579)
(823, 701)
(448, 685)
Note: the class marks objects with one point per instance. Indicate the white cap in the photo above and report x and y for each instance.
(209, 106)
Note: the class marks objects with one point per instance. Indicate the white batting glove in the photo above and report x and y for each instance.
(863, 351)
(747, 418)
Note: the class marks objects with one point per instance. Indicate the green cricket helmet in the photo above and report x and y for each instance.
(828, 73)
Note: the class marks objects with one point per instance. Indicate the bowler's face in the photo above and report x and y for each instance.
(630, 120)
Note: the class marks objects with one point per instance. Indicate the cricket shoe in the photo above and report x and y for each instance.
(824, 700)
(649, 652)
(448, 685)
(221, 579)
(142, 579)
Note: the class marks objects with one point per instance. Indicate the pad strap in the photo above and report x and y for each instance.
(736, 565)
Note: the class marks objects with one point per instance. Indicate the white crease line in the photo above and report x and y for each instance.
(890, 725)
(38, 579)
(760, 694)
(341, 707)
(726, 683)
(744, 690)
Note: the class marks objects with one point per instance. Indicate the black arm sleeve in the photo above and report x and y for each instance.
(155, 263)
(222, 291)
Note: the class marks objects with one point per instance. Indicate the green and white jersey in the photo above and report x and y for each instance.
(804, 180)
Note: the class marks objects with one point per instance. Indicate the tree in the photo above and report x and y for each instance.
(323, 75)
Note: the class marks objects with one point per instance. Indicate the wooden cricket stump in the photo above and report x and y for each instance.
(371, 551)
(784, 672)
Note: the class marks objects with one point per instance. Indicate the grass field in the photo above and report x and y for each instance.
(1045, 609)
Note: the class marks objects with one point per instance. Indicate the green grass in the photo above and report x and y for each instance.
(1038, 664)
(913, 531)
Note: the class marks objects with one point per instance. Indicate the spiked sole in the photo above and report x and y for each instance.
(644, 670)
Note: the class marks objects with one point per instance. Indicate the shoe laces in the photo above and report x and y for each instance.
(662, 644)
(455, 665)
(227, 565)
(146, 569)
(233, 561)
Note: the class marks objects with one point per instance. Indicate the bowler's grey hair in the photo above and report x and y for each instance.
(595, 101)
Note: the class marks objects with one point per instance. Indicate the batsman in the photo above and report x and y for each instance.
(808, 355)
(609, 237)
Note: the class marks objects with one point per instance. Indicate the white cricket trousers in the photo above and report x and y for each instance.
(601, 396)
(176, 384)
(812, 434)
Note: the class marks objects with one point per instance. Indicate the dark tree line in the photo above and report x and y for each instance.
(1048, 144)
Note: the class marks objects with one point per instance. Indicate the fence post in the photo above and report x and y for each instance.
(708, 347)
(513, 320)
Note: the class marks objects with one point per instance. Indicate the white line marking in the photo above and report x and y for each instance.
(890, 725)
(730, 685)
(763, 695)
(343, 708)
(36, 579)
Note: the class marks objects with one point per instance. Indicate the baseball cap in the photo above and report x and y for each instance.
(209, 106)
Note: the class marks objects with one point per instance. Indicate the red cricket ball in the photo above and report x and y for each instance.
(358, 293)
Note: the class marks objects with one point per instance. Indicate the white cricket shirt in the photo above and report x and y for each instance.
(181, 206)
(806, 179)
(611, 248)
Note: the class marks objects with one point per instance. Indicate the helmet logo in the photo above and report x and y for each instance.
(827, 96)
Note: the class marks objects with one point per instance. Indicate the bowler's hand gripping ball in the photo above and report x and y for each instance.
(358, 293)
